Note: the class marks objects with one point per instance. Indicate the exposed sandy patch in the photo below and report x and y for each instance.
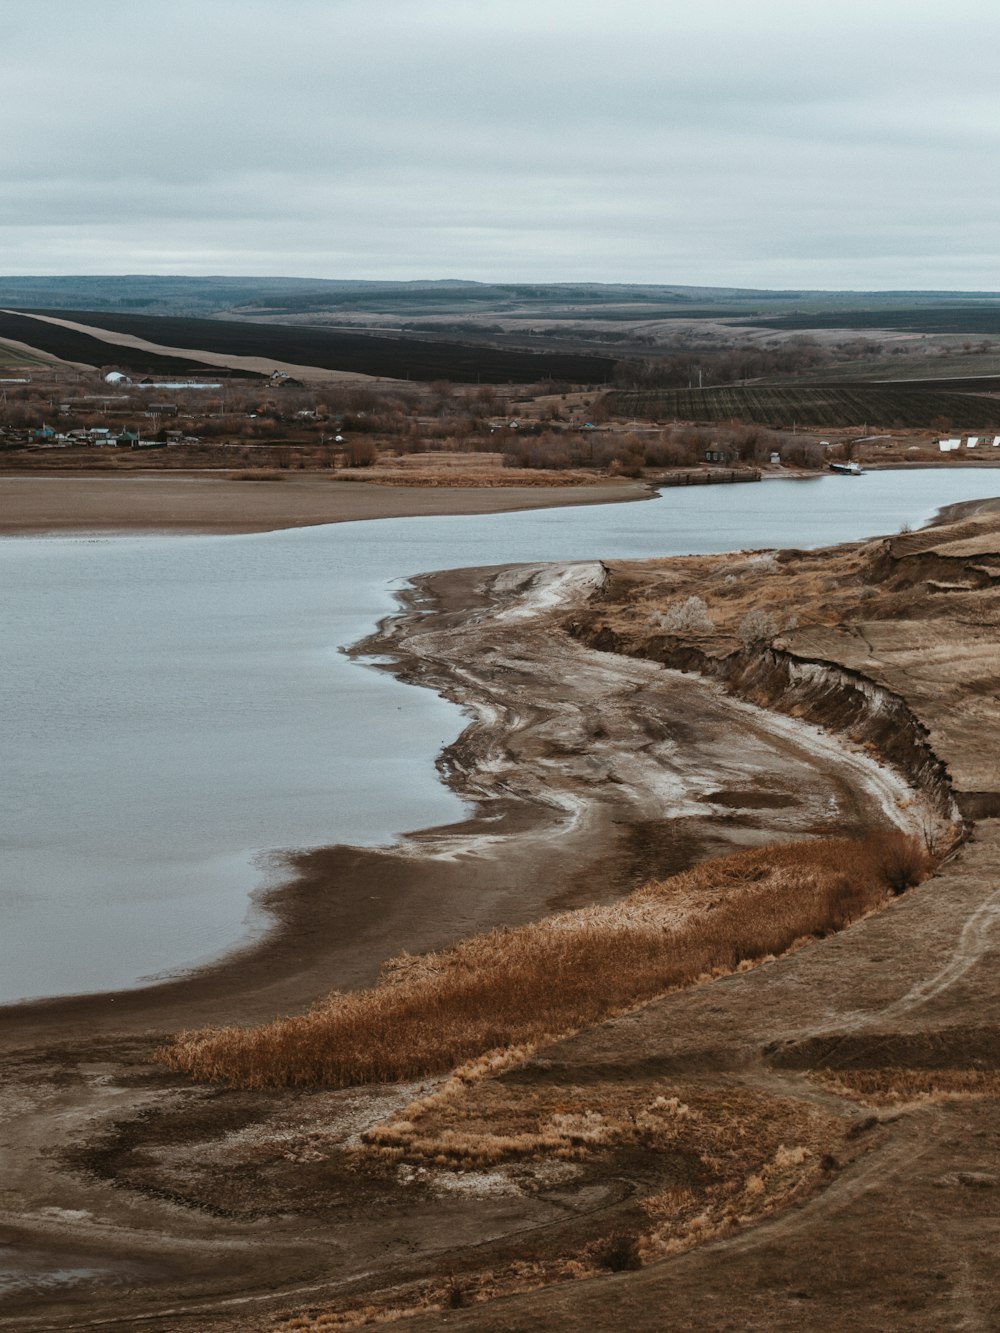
(213, 502)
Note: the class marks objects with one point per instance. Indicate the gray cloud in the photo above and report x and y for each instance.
(762, 144)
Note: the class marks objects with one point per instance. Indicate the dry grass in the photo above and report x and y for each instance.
(434, 461)
(900, 1086)
(475, 1123)
(478, 477)
(527, 985)
(725, 1153)
(258, 474)
(441, 1294)
(683, 1218)
(736, 587)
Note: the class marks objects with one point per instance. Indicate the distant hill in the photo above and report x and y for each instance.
(277, 296)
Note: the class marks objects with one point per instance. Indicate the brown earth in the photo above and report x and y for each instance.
(757, 1190)
(216, 502)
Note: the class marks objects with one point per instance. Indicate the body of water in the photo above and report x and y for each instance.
(177, 709)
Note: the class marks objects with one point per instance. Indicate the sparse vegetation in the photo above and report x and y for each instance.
(895, 1086)
(429, 1013)
(688, 617)
(735, 1155)
(757, 626)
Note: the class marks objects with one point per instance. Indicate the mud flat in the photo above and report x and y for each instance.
(134, 1199)
(196, 502)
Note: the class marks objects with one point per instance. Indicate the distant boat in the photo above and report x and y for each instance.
(847, 469)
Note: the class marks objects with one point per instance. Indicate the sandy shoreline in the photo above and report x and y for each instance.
(200, 502)
(567, 769)
(588, 773)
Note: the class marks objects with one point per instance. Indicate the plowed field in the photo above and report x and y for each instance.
(70, 345)
(782, 406)
(327, 349)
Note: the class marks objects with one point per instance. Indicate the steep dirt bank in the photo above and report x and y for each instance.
(825, 694)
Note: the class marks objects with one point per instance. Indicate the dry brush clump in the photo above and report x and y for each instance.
(258, 474)
(750, 598)
(441, 1294)
(687, 617)
(538, 981)
(757, 626)
(728, 1157)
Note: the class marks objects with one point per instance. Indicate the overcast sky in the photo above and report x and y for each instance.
(774, 143)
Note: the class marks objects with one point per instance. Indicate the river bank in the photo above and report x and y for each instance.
(134, 1197)
(199, 502)
(573, 760)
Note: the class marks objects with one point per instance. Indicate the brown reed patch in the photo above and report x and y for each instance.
(900, 1086)
(476, 478)
(533, 983)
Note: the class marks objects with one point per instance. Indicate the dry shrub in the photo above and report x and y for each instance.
(558, 975)
(508, 477)
(762, 562)
(902, 861)
(683, 1219)
(258, 474)
(690, 617)
(619, 1253)
(442, 1294)
(757, 627)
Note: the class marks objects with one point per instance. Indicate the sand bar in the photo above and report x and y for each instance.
(215, 503)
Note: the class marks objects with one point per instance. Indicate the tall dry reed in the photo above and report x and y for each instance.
(562, 973)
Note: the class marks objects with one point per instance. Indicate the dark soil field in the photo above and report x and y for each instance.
(328, 349)
(972, 318)
(896, 405)
(69, 345)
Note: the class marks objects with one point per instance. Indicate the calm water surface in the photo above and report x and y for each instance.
(176, 709)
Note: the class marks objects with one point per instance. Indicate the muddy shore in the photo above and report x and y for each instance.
(133, 1199)
(586, 774)
(215, 503)
(568, 767)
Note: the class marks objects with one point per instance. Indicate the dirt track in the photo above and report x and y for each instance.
(134, 1200)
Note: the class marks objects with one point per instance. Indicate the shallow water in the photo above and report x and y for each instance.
(175, 709)
(31, 1272)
